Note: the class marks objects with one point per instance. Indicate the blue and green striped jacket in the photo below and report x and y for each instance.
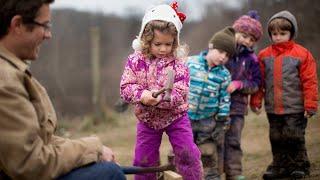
(208, 94)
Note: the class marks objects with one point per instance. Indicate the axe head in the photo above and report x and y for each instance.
(169, 85)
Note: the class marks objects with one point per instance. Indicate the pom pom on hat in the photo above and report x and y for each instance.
(249, 24)
(254, 14)
(136, 44)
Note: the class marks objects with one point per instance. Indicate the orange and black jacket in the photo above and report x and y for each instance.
(289, 79)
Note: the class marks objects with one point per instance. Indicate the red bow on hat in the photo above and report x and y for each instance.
(182, 16)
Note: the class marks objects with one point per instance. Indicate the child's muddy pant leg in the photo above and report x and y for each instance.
(209, 157)
(203, 130)
(294, 136)
(287, 138)
(233, 151)
(147, 149)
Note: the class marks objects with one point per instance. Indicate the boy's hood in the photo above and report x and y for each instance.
(288, 16)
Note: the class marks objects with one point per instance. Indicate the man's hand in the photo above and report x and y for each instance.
(148, 99)
(107, 154)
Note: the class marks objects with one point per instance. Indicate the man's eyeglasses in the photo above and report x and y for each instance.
(46, 26)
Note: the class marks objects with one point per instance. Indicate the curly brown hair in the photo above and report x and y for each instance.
(148, 35)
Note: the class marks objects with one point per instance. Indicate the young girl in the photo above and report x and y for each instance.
(145, 73)
(246, 78)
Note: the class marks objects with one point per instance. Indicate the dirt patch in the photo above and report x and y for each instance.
(120, 136)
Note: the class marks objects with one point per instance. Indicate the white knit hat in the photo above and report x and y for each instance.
(162, 12)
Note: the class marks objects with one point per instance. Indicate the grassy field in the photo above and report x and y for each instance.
(118, 132)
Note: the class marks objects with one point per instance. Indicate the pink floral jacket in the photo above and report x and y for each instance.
(141, 74)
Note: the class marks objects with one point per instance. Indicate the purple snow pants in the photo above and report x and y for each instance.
(187, 154)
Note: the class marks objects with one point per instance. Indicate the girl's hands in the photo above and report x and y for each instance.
(148, 99)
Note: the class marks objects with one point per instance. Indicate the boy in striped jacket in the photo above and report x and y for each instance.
(209, 101)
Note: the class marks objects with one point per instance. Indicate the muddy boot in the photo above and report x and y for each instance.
(211, 173)
(298, 174)
(210, 168)
(275, 173)
(269, 175)
(212, 176)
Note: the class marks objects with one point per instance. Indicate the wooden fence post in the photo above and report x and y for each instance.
(96, 75)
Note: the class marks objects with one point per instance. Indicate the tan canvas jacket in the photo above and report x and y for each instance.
(28, 147)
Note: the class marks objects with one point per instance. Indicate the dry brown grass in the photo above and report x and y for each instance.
(120, 136)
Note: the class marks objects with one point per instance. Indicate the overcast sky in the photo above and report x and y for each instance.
(195, 8)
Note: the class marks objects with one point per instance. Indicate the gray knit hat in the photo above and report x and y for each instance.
(224, 40)
(288, 16)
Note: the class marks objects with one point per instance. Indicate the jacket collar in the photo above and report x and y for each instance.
(12, 59)
(280, 48)
(164, 61)
(203, 55)
(241, 49)
(202, 59)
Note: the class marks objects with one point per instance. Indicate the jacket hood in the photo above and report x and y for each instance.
(288, 16)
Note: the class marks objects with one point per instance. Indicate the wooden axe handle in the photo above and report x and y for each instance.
(156, 94)
(142, 170)
(168, 86)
